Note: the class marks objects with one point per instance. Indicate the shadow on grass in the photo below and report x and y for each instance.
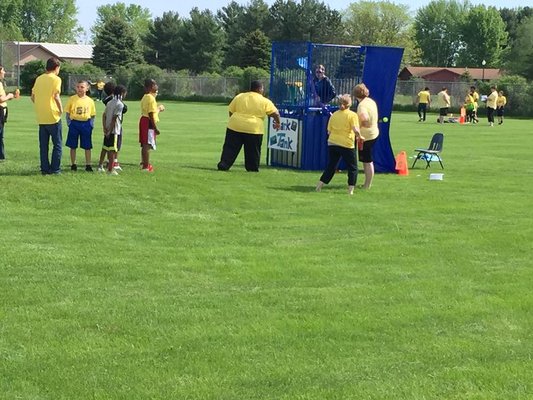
(295, 188)
(214, 168)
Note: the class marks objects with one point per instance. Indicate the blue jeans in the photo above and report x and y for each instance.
(45, 133)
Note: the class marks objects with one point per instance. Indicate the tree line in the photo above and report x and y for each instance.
(441, 33)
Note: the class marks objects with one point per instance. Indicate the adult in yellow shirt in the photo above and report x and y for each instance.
(343, 132)
(492, 101)
(45, 96)
(247, 112)
(80, 112)
(500, 106)
(444, 102)
(4, 98)
(424, 101)
(367, 111)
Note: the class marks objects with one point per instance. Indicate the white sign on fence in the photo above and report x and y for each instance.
(286, 138)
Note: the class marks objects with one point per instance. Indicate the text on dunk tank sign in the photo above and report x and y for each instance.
(286, 137)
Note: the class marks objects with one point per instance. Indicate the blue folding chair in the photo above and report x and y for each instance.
(432, 153)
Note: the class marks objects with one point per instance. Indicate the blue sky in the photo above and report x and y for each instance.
(87, 9)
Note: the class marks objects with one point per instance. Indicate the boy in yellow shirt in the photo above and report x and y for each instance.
(48, 108)
(148, 123)
(80, 110)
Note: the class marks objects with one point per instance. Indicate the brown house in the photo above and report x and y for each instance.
(448, 74)
(23, 52)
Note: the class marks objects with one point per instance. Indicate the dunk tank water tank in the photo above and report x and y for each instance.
(302, 141)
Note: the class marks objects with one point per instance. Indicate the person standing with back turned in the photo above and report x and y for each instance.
(247, 112)
(367, 111)
(424, 101)
(48, 107)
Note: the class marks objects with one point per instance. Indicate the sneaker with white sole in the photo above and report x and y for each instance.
(112, 173)
(101, 168)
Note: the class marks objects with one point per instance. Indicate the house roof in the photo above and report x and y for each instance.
(63, 51)
(475, 73)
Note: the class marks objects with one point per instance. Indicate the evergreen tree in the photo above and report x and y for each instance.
(256, 50)
(309, 20)
(116, 45)
(202, 42)
(521, 55)
(163, 43)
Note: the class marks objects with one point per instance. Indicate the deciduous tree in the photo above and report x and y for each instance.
(483, 38)
(438, 31)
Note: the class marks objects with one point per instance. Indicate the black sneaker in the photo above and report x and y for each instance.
(88, 168)
(73, 167)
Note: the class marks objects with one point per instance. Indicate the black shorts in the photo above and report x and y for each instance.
(365, 155)
(500, 111)
(111, 142)
(443, 111)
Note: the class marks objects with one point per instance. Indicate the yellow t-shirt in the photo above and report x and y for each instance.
(443, 99)
(80, 108)
(502, 101)
(2, 93)
(340, 128)
(248, 111)
(424, 97)
(45, 88)
(149, 105)
(492, 100)
(100, 85)
(369, 107)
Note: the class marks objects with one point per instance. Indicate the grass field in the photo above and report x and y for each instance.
(190, 283)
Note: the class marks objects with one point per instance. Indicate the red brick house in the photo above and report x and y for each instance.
(448, 74)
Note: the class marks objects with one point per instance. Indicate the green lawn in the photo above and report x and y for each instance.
(190, 283)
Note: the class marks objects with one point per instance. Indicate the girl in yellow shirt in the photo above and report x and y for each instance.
(343, 131)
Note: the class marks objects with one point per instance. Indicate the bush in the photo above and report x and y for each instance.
(29, 73)
(253, 73)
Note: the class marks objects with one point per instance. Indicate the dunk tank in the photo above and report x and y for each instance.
(301, 142)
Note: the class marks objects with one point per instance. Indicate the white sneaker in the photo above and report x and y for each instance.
(112, 173)
(117, 167)
(101, 168)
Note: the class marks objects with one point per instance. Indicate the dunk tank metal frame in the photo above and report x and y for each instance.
(302, 141)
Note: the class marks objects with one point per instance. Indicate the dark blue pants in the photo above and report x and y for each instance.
(47, 132)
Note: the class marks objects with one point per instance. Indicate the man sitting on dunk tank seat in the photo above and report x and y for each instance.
(323, 89)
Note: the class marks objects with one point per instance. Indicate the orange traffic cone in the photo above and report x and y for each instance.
(401, 163)
(462, 118)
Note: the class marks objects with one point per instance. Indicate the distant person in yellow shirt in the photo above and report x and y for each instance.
(80, 112)
(148, 130)
(475, 96)
(4, 98)
(492, 101)
(424, 102)
(247, 112)
(343, 133)
(444, 102)
(48, 107)
(500, 106)
(100, 89)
